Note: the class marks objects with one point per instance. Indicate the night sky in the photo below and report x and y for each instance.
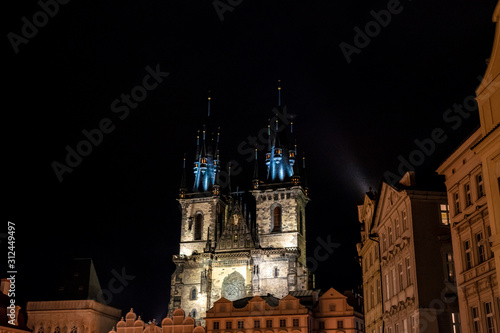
(118, 205)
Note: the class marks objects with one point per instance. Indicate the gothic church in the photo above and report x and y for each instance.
(227, 251)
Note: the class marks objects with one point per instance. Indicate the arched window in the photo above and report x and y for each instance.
(194, 293)
(57, 330)
(73, 330)
(40, 330)
(198, 224)
(193, 313)
(277, 219)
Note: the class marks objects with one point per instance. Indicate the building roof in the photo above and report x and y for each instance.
(79, 282)
(270, 299)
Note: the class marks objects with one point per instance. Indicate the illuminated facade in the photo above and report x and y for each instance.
(488, 149)
(472, 174)
(177, 323)
(368, 252)
(471, 233)
(415, 289)
(328, 313)
(227, 250)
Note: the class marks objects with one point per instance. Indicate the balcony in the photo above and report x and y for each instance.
(479, 270)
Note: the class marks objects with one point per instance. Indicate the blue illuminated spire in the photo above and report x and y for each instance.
(207, 164)
(280, 158)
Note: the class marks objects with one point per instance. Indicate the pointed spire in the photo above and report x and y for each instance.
(229, 177)
(255, 180)
(279, 92)
(197, 144)
(209, 99)
(182, 190)
(306, 189)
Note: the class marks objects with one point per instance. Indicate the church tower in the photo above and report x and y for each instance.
(281, 199)
(227, 251)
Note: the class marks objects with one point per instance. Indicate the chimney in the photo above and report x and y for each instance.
(408, 179)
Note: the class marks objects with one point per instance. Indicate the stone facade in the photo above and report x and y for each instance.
(472, 237)
(417, 281)
(488, 149)
(231, 252)
(369, 255)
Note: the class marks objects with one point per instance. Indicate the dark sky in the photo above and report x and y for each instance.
(118, 206)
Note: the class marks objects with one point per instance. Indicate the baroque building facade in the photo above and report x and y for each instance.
(177, 323)
(471, 230)
(228, 251)
(415, 286)
(488, 148)
(368, 253)
(299, 312)
(472, 174)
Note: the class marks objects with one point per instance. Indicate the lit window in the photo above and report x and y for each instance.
(455, 322)
(445, 215)
(480, 186)
(450, 267)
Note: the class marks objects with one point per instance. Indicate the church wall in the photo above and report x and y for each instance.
(223, 268)
(190, 209)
